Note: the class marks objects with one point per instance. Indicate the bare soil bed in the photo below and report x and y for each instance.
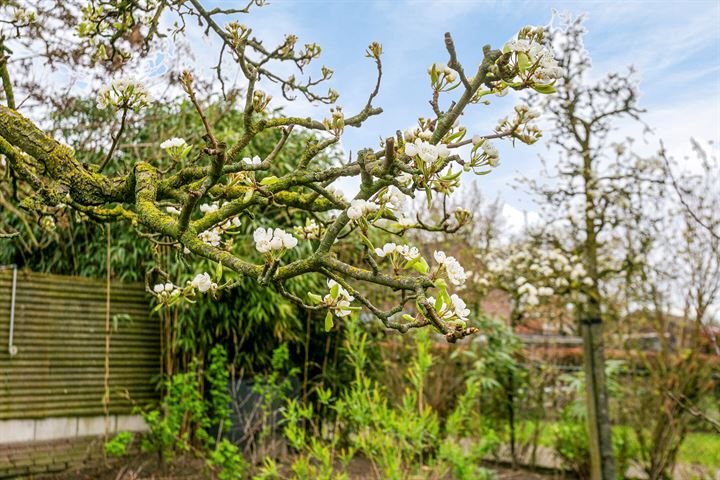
(148, 467)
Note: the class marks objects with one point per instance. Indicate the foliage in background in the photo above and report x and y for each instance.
(401, 439)
(185, 419)
(571, 438)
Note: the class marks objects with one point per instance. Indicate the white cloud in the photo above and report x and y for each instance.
(518, 219)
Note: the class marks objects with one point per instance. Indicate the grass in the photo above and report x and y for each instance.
(698, 448)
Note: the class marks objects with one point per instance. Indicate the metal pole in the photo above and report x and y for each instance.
(12, 349)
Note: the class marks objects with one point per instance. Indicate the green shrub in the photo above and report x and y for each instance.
(401, 438)
(570, 433)
(118, 446)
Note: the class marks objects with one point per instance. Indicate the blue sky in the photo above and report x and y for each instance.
(674, 45)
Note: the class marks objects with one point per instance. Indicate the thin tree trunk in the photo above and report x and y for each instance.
(602, 461)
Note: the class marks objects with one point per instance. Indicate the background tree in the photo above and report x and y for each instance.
(592, 194)
(675, 297)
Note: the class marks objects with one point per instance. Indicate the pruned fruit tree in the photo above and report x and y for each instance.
(202, 196)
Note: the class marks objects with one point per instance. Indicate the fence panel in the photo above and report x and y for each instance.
(59, 333)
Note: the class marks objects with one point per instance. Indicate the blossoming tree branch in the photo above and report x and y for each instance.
(216, 187)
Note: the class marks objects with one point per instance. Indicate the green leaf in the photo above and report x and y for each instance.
(456, 136)
(328, 321)
(523, 61)
(335, 290)
(453, 87)
(407, 317)
(315, 297)
(444, 295)
(433, 75)
(546, 89)
(248, 195)
(451, 176)
(269, 180)
(156, 308)
(420, 265)
(412, 262)
(218, 272)
(438, 303)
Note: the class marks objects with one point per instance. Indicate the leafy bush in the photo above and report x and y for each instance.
(400, 440)
(570, 434)
(183, 421)
(118, 446)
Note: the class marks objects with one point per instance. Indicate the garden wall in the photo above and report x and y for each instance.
(52, 370)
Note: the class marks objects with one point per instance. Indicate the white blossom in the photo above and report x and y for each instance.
(518, 45)
(342, 292)
(405, 220)
(425, 134)
(545, 291)
(527, 288)
(493, 157)
(269, 239)
(455, 272)
(459, 307)
(408, 252)
(262, 239)
(359, 208)
(340, 303)
(341, 309)
(386, 250)
(209, 207)
(404, 178)
(203, 282)
(444, 312)
(335, 192)
(443, 69)
(577, 272)
(126, 91)
(426, 151)
(165, 290)
(547, 69)
(174, 142)
(211, 237)
(394, 199)
(311, 230)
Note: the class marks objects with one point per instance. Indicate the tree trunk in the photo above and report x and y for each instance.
(602, 462)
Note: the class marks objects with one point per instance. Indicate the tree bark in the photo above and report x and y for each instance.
(602, 461)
